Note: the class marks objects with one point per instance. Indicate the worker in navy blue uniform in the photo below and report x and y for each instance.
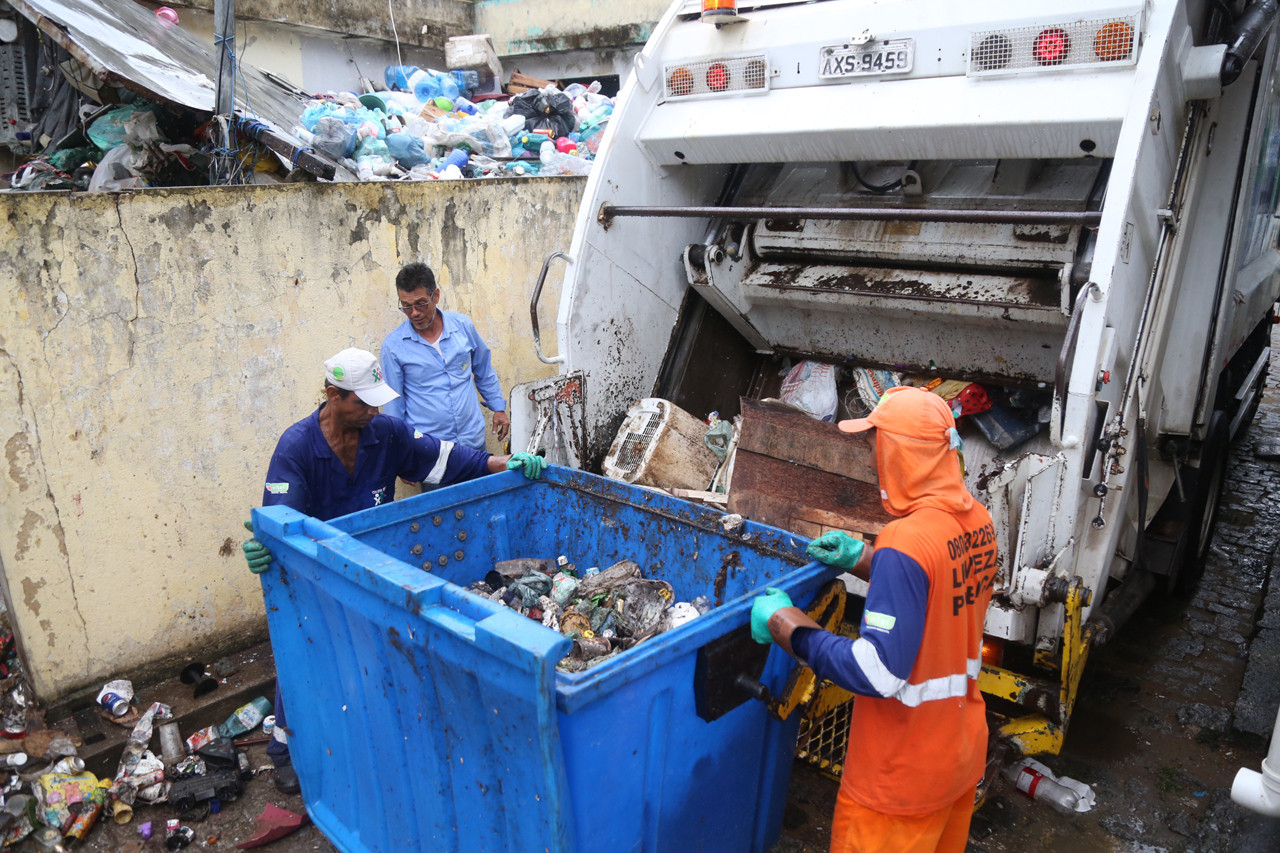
(345, 457)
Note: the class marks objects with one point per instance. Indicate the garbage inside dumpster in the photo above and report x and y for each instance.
(604, 613)
(424, 666)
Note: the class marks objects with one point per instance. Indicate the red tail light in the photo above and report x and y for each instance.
(718, 77)
(1051, 46)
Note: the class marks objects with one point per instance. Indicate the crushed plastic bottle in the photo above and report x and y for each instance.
(246, 717)
(1040, 787)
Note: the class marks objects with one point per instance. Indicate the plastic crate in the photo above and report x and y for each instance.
(425, 717)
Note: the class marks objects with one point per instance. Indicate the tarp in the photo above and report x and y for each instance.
(124, 43)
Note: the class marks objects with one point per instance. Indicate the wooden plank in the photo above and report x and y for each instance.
(718, 498)
(781, 493)
(779, 431)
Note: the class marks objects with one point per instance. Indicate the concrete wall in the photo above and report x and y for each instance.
(314, 60)
(426, 23)
(534, 26)
(154, 345)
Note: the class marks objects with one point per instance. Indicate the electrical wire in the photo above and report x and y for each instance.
(392, 13)
(878, 188)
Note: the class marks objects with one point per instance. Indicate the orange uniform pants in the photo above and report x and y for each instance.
(857, 829)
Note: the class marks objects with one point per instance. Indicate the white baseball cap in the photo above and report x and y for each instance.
(358, 370)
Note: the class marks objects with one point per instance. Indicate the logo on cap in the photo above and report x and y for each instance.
(338, 372)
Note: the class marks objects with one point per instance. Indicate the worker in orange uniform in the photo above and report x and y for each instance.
(917, 743)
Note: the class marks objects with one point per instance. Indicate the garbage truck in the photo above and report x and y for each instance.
(1071, 204)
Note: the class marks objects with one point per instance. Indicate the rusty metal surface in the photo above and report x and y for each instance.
(931, 285)
(123, 43)
(609, 212)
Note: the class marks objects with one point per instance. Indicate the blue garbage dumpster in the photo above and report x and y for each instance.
(425, 717)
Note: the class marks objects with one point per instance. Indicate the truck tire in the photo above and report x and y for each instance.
(1203, 508)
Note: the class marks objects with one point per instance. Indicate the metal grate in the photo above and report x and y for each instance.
(716, 76)
(635, 444)
(1103, 42)
(823, 742)
(15, 103)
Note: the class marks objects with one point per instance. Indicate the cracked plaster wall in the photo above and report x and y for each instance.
(425, 23)
(531, 26)
(154, 345)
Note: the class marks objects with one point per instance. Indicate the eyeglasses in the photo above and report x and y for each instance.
(421, 305)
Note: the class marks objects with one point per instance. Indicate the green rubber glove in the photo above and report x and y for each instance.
(532, 465)
(837, 549)
(762, 609)
(255, 553)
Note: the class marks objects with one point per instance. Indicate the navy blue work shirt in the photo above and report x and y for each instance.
(307, 475)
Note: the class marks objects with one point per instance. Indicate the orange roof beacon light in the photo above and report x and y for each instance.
(720, 12)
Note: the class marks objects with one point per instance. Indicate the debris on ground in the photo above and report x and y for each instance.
(273, 824)
(603, 612)
(50, 799)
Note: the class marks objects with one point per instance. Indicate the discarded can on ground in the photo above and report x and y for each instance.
(71, 765)
(172, 749)
(117, 705)
(269, 725)
(246, 769)
(115, 696)
(14, 759)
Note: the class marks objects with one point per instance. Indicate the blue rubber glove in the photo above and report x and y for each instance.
(255, 553)
(762, 609)
(837, 549)
(532, 465)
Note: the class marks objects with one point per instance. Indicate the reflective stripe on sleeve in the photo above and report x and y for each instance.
(868, 658)
(912, 695)
(442, 461)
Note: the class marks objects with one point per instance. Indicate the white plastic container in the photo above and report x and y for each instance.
(660, 444)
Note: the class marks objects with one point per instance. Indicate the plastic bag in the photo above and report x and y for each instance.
(116, 171)
(333, 137)
(718, 439)
(811, 387)
(544, 109)
(108, 130)
(406, 149)
(141, 129)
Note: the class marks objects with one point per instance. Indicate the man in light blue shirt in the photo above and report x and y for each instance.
(436, 361)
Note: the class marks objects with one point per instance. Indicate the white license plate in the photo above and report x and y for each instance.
(892, 56)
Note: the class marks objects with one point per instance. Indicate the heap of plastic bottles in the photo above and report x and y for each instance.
(424, 126)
